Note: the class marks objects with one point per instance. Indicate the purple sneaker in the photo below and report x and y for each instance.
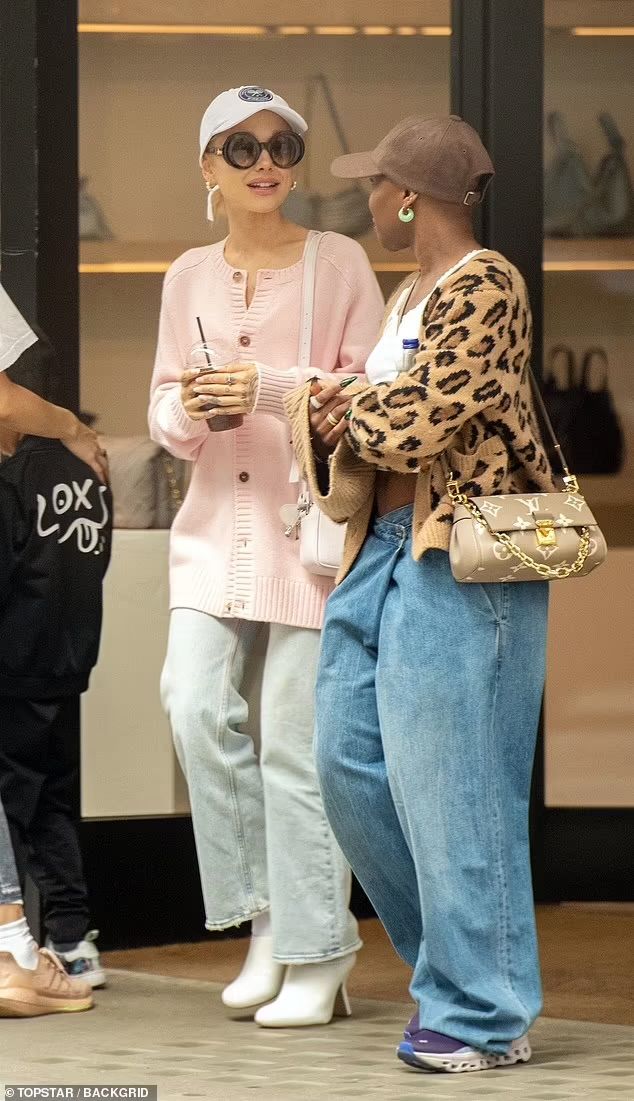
(428, 1050)
(411, 1028)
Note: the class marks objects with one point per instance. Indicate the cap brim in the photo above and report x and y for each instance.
(355, 166)
(293, 119)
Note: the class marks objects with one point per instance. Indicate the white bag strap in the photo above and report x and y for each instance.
(308, 301)
(306, 318)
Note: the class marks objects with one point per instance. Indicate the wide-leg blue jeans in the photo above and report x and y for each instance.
(428, 702)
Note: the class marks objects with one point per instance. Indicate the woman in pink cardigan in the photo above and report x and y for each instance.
(265, 850)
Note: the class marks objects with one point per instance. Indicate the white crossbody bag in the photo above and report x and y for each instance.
(320, 539)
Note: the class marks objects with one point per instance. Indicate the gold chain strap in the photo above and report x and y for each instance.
(172, 481)
(552, 573)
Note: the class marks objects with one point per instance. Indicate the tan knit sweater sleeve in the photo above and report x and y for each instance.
(475, 342)
(349, 479)
(351, 476)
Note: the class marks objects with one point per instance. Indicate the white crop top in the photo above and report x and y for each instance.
(386, 359)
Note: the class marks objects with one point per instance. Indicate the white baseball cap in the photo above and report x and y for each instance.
(238, 104)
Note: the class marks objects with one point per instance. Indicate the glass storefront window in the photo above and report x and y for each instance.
(589, 334)
(147, 72)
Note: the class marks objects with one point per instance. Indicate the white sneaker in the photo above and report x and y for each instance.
(312, 994)
(260, 979)
(83, 962)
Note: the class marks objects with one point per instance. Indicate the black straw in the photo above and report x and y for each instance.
(202, 337)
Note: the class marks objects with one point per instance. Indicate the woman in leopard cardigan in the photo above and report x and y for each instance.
(429, 691)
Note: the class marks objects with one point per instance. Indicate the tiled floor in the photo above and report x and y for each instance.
(175, 1033)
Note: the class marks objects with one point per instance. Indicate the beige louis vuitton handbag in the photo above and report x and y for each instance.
(524, 537)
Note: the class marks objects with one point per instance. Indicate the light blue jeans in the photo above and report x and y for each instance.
(262, 836)
(428, 701)
(10, 893)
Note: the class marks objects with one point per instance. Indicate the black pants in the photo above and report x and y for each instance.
(39, 770)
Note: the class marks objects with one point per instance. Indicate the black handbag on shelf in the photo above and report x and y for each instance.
(583, 414)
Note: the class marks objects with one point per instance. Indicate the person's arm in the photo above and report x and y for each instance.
(358, 337)
(352, 478)
(170, 426)
(345, 277)
(466, 366)
(28, 414)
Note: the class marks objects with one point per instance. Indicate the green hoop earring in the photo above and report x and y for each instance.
(406, 214)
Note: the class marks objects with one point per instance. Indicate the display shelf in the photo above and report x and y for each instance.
(589, 254)
(253, 18)
(590, 17)
(259, 17)
(130, 257)
(154, 258)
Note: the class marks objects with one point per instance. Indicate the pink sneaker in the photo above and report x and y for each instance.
(47, 989)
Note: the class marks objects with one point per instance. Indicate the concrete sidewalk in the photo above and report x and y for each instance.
(149, 1030)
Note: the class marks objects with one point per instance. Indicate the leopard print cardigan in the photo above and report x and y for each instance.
(467, 397)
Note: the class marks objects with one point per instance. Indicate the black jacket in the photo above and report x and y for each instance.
(55, 540)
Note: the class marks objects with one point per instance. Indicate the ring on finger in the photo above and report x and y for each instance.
(230, 380)
(332, 421)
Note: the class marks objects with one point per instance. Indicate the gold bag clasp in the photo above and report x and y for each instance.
(545, 531)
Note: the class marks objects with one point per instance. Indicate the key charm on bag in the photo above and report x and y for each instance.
(292, 516)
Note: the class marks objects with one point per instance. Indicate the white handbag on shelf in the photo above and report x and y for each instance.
(320, 539)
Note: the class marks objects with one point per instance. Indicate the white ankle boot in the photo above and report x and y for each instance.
(260, 979)
(311, 995)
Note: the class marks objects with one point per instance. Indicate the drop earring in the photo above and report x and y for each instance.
(210, 201)
(294, 185)
(406, 214)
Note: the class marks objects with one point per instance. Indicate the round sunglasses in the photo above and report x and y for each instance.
(243, 150)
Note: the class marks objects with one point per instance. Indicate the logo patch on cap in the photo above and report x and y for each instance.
(253, 94)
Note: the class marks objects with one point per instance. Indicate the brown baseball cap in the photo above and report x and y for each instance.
(442, 157)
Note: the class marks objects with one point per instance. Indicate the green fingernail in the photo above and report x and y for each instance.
(347, 381)
(348, 415)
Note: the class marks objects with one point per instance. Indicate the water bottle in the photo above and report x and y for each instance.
(411, 345)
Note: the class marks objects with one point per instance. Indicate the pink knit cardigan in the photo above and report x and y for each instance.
(228, 554)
